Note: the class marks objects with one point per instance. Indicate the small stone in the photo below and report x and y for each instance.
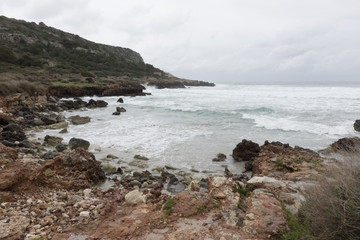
(87, 192)
(65, 130)
(84, 215)
(111, 156)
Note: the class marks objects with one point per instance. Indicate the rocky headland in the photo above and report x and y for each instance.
(55, 190)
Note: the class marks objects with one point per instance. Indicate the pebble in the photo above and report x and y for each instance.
(84, 215)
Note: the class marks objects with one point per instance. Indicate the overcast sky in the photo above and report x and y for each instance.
(219, 41)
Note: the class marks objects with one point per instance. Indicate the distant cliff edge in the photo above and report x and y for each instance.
(59, 60)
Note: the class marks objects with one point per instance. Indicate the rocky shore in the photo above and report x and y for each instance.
(56, 190)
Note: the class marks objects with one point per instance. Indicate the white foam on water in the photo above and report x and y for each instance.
(188, 127)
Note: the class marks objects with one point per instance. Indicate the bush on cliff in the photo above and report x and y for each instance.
(12, 87)
(332, 210)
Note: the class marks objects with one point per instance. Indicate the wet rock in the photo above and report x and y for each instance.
(220, 157)
(135, 197)
(50, 155)
(61, 147)
(116, 113)
(120, 109)
(58, 125)
(120, 100)
(101, 103)
(357, 125)
(77, 120)
(140, 157)
(26, 144)
(249, 165)
(98, 103)
(108, 168)
(52, 140)
(78, 143)
(64, 130)
(8, 143)
(111, 156)
(246, 151)
(138, 163)
(48, 120)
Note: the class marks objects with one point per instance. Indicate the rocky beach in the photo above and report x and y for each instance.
(50, 189)
(95, 143)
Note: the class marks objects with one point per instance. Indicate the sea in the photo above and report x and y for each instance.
(186, 128)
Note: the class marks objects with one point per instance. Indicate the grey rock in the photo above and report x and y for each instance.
(78, 142)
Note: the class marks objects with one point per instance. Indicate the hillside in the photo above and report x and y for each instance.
(51, 57)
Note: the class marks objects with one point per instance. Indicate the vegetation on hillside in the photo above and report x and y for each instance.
(332, 209)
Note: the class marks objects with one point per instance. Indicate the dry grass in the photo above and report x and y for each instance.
(7, 88)
(332, 210)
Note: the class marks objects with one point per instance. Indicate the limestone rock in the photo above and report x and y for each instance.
(265, 182)
(77, 120)
(135, 197)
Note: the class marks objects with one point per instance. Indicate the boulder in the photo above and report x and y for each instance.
(12, 127)
(246, 151)
(52, 140)
(120, 100)
(101, 103)
(135, 197)
(60, 147)
(116, 113)
(48, 120)
(12, 136)
(74, 170)
(220, 157)
(78, 143)
(120, 109)
(96, 103)
(357, 125)
(77, 120)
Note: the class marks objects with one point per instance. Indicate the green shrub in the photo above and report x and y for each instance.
(168, 206)
(332, 208)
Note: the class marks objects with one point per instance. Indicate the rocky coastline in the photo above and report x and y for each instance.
(55, 190)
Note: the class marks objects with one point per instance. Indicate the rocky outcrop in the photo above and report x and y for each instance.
(357, 125)
(343, 145)
(74, 170)
(246, 151)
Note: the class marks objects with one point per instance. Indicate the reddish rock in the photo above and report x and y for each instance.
(75, 170)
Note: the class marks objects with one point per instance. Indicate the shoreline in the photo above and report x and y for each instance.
(87, 197)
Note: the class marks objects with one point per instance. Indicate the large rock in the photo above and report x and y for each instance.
(74, 170)
(265, 182)
(246, 151)
(52, 140)
(264, 217)
(96, 103)
(78, 143)
(48, 120)
(357, 125)
(135, 197)
(12, 127)
(77, 120)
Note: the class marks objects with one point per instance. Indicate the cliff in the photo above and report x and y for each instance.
(51, 57)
